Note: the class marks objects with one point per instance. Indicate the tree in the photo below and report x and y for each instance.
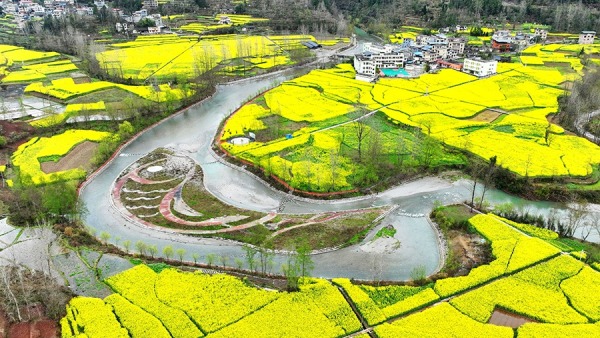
(594, 222)
(361, 131)
(168, 252)
(304, 260)
(239, 263)
(125, 130)
(210, 259)
(475, 171)
(265, 258)
(126, 245)
(195, 257)
(426, 150)
(152, 250)
(140, 247)
(201, 3)
(224, 259)
(426, 67)
(487, 179)
(291, 272)
(250, 254)
(180, 254)
(146, 22)
(2, 141)
(574, 219)
(105, 236)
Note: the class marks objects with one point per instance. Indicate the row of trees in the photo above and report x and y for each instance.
(258, 259)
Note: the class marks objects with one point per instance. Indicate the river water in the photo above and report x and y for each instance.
(192, 132)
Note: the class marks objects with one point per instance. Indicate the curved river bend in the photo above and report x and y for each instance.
(193, 130)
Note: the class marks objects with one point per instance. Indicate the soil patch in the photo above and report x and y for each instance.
(37, 329)
(505, 318)
(468, 250)
(486, 116)
(567, 84)
(79, 157)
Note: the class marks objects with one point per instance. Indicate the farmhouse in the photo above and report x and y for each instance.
(587, 37)
(451, 65)
(542, 33)
(479, 67)
(501, 43)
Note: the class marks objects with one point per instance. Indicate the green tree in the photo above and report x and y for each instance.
(250, 254)
(140, 247)
(126, 245)
(105, 236)
(291, 272)
(201, 3)
(180, 254)
(305, 262)
(239, 263)
(168, 251)
(125, 130)
(210, 259)
(152, 250)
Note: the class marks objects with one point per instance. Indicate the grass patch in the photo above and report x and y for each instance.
(330, 234)
(387, 231)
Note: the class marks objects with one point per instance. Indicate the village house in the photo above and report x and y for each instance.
(587, 37)
(542, 33)
(448, 64)
(150, 4)
(479, 67)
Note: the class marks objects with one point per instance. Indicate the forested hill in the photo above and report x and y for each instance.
(562, 15)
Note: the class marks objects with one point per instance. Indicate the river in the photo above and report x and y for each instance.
(192, 132)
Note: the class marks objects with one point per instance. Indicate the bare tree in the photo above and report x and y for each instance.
(487, 178)
(575, 218)
(362, 131)
(592, 224)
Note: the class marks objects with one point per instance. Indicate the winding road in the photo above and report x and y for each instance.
(192, 132)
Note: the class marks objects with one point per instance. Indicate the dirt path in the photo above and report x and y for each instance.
(79, 157)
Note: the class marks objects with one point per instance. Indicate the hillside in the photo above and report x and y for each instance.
(562, 15)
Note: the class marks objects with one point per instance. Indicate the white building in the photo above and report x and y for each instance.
(157, 19)
(480, 68)
(150, 4)
(367, 63)
(587, 37)
(364, 65)
(542, 33)
(457, 45)
(386, 56)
